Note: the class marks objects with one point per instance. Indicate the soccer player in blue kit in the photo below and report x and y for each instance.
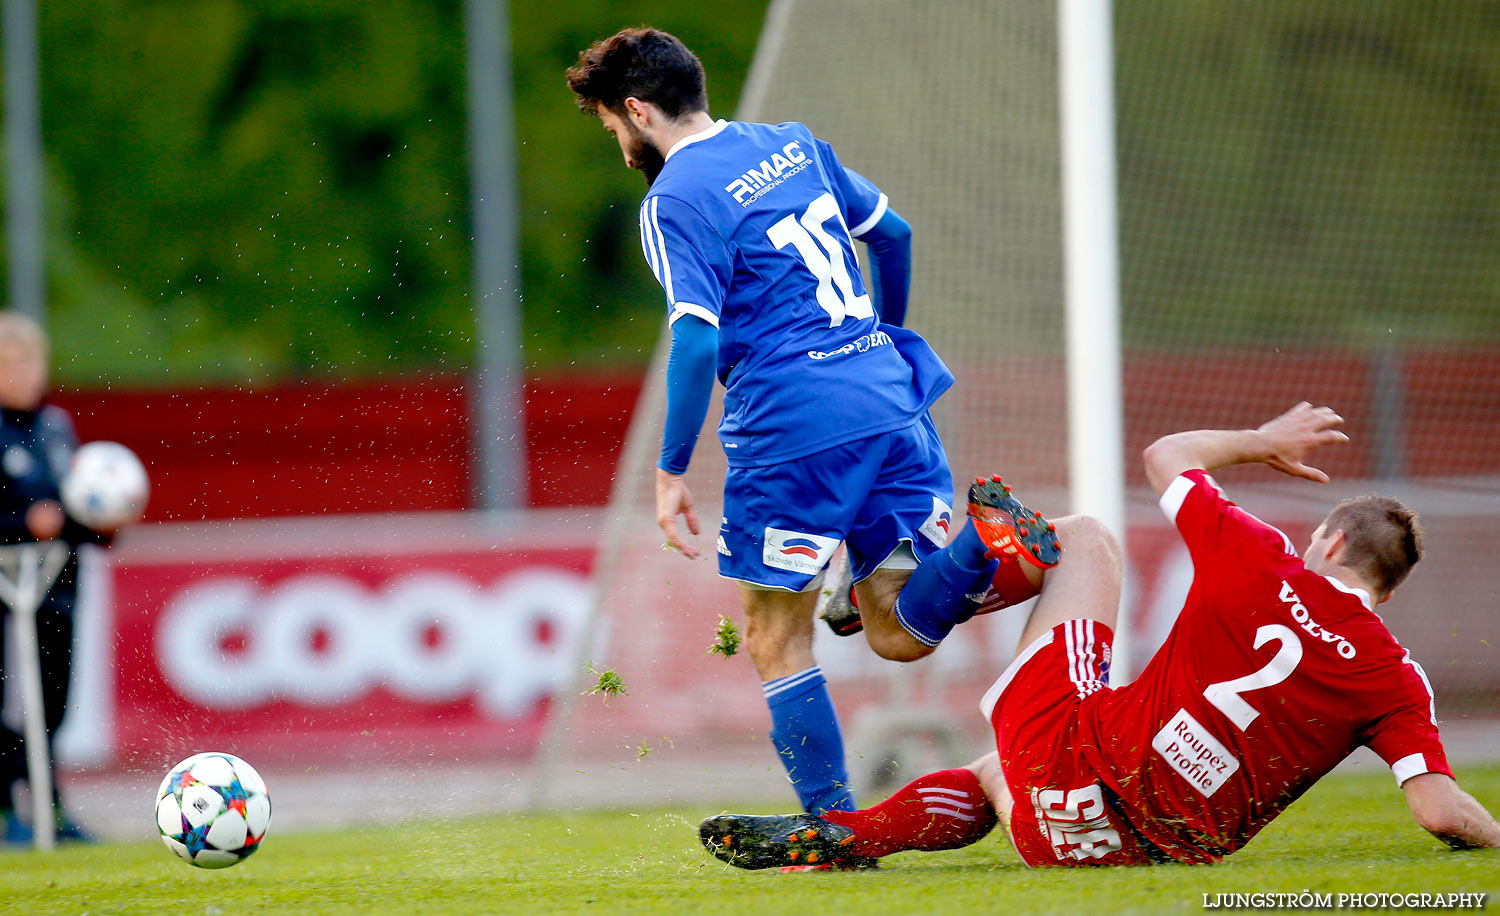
(749, 229)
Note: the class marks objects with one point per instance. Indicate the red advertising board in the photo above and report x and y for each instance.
(452, 637)
(447, 645)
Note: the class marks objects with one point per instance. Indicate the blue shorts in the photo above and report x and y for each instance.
(782, 523)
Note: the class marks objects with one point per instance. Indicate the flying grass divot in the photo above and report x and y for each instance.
(610, 684)
(726, 638)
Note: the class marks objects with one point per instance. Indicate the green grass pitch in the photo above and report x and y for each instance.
(1351, 834)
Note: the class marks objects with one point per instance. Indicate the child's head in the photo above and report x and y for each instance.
(23, 362)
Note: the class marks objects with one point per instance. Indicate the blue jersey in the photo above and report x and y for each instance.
(749, 227)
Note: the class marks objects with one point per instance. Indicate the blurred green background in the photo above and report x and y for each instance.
(1309, 171)
(250, 191)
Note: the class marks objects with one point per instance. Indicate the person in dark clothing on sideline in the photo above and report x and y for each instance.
(36, 447)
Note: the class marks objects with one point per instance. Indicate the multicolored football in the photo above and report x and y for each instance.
(106, 487)
(213, 810)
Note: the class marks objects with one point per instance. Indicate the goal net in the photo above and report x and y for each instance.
(1308, 210)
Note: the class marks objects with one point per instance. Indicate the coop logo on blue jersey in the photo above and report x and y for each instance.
(936, 526)
(753, 184)
(797, 551)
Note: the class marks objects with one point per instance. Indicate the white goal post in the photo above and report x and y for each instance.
(1096, 426)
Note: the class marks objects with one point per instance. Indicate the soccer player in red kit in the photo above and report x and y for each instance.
(1278, 667)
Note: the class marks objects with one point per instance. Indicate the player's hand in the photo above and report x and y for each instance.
(45, 519)
(1294, 435)
(672, 500)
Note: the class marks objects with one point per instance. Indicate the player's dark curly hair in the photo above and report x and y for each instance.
(1382, 538)
(643, 63)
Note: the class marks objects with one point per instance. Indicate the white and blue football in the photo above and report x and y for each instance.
(213, 810)
(106, 487)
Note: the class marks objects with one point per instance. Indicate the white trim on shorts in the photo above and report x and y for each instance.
(992, 696)
(814, 585)
(902, 556)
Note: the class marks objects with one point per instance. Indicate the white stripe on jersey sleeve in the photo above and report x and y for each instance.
(1409, 766)
(1173, 496)
(1286, 542)
(687, 308)
(1176, 493)
(648, 244)
(666, 266)
(1431, 697)
(880, 207)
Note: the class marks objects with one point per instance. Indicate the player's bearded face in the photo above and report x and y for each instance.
(641, 153)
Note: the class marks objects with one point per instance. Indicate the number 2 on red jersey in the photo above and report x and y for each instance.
(1225, 695)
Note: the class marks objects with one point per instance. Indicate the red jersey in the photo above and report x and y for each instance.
(1270, 677)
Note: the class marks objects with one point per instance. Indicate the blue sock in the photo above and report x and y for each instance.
(945, 590)
(805, 730)
(968, 548)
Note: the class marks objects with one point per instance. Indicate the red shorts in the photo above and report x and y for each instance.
(1062, 813)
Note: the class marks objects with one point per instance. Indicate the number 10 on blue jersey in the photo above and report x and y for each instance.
(824, 257)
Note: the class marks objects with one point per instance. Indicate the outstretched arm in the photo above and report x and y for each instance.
(690, 382)
(1449, 813)
(1282, 443)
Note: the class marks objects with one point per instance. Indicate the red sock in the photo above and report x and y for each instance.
(1009, 587)
(942, 810)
